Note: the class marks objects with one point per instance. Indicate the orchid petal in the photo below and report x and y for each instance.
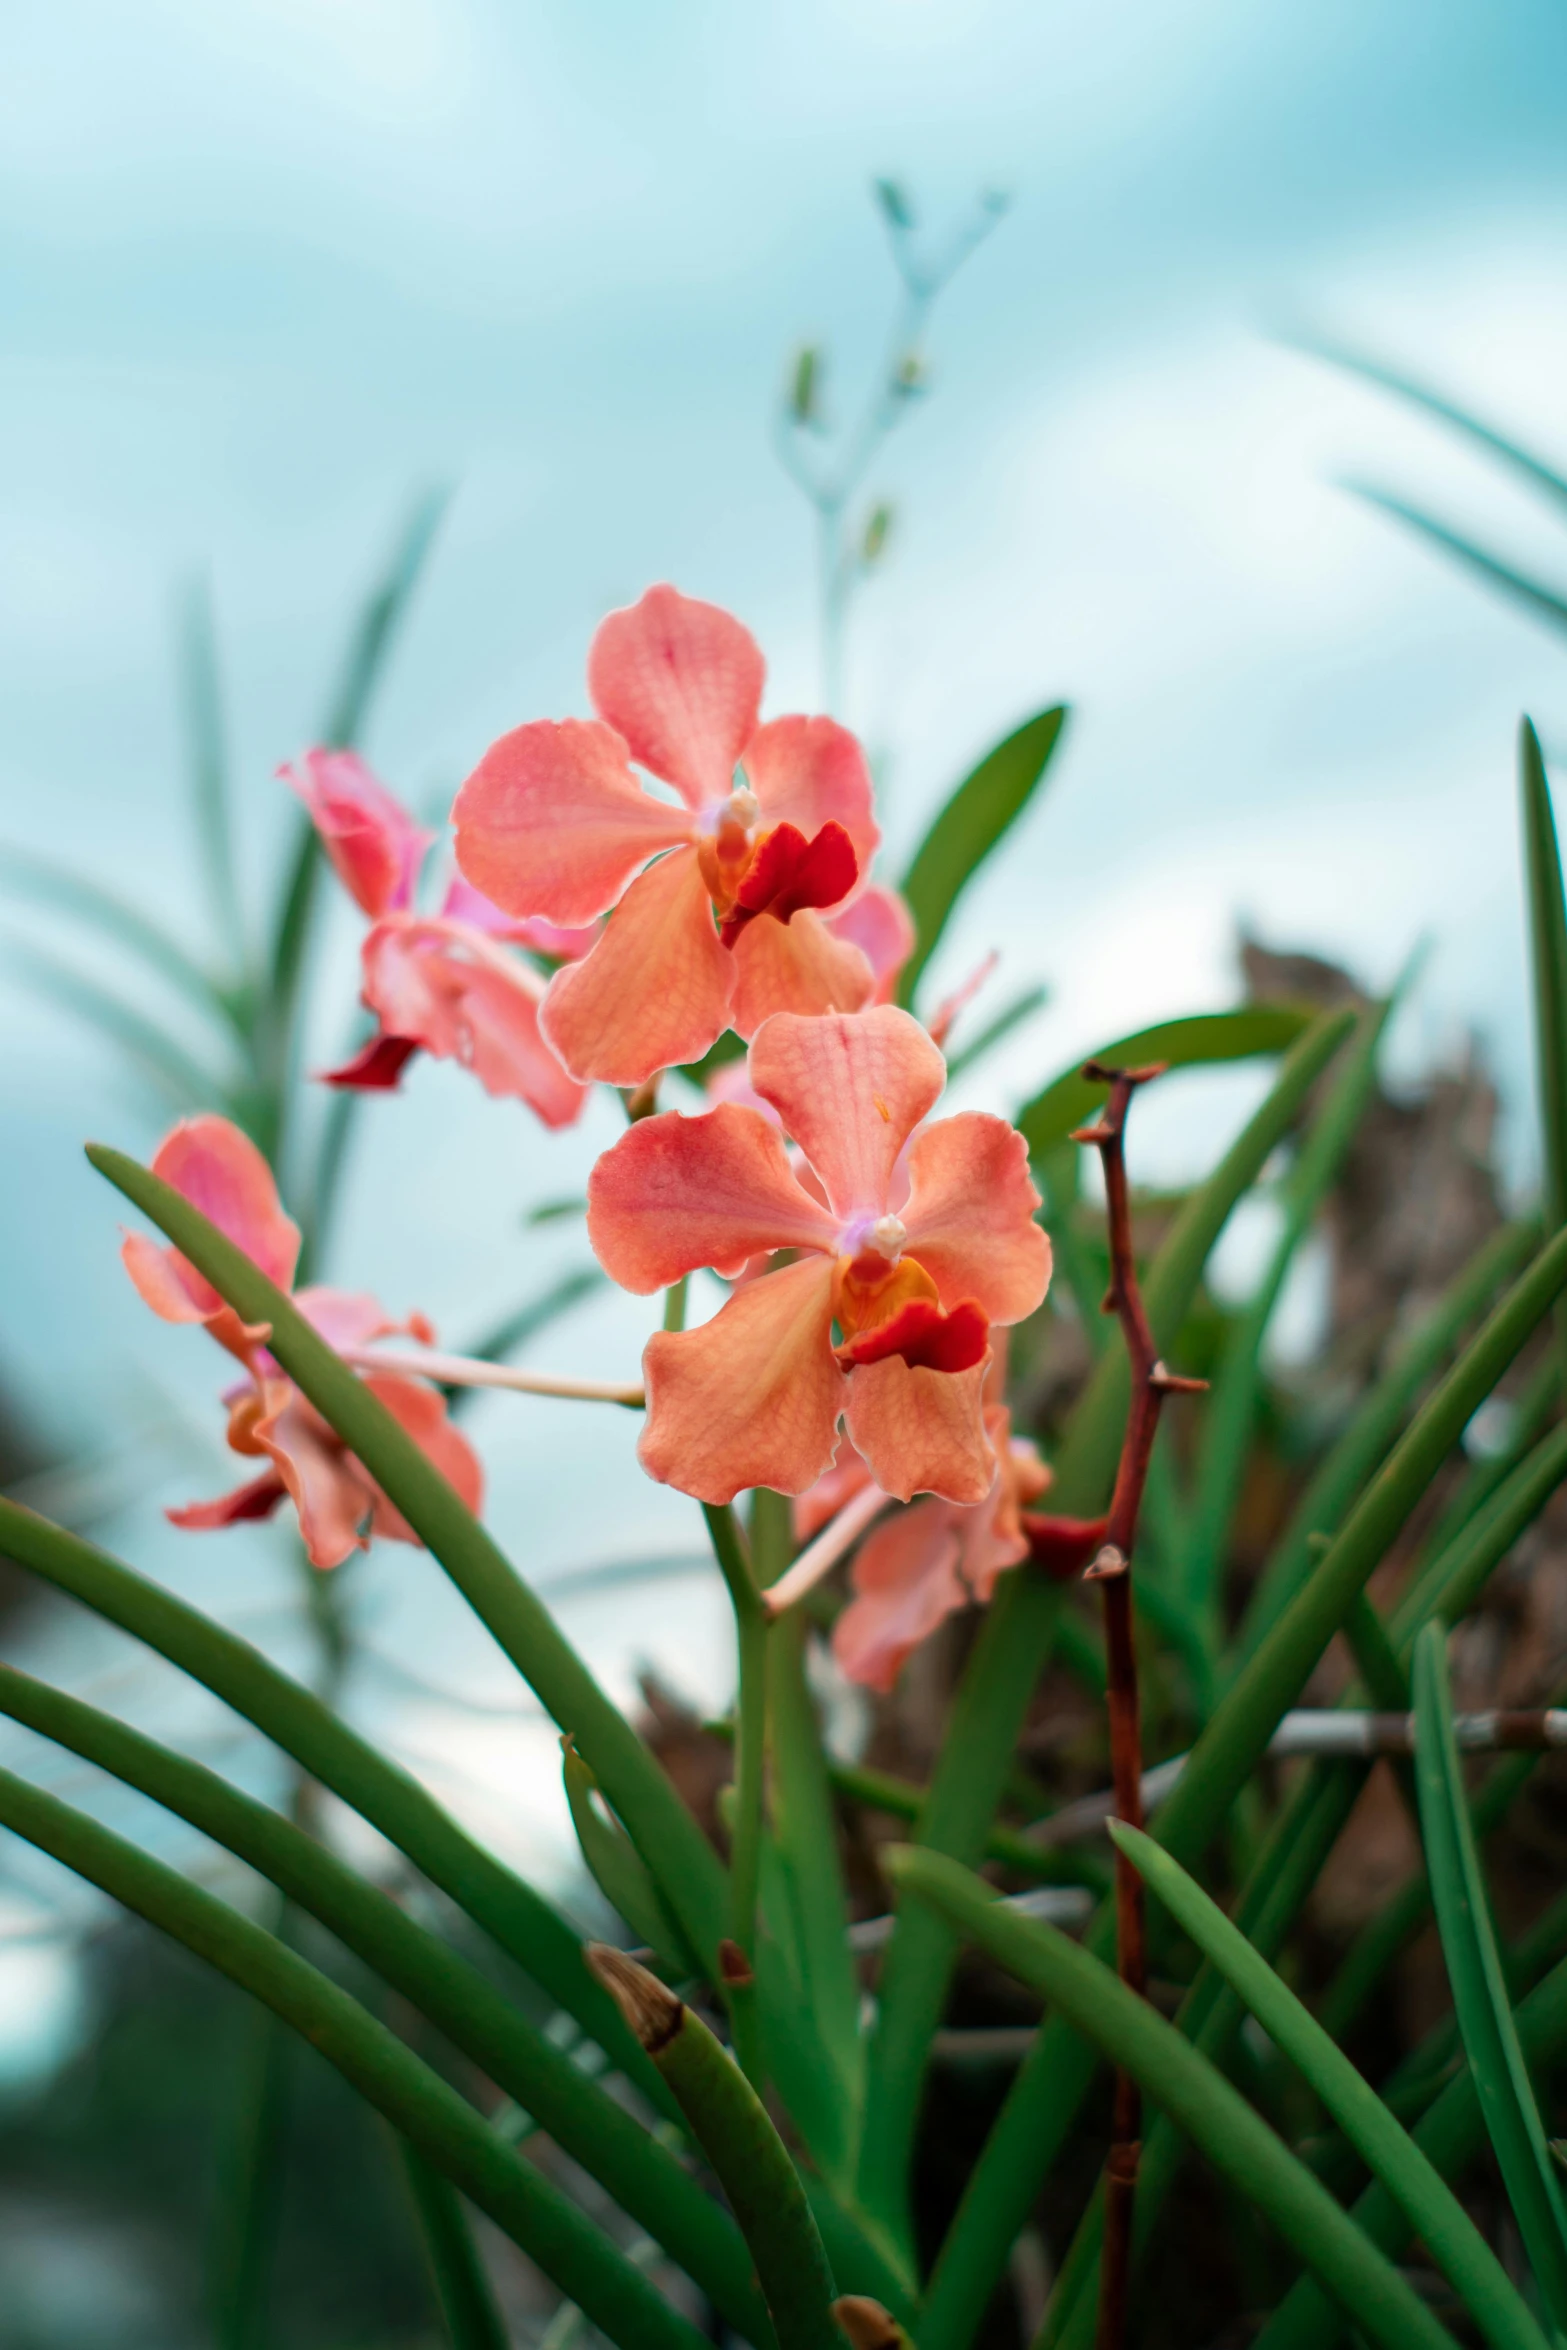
(879, 923)
(377, 1067)
(681, 681)
(453, 991)
(828, 1495)
(922, 1431)
(850, 1090)
(463, 903)
(812, 771)
(676, 1193)
(969, 1215)
(220, 1171)
(655, 990)
(796, 966)
(422, 1414)
(992, 1535)
(906, 1582)
(553, 822)
(258, 1499)
(330, 1492)
(750, 1398)
(346, 1318)
(374, 844)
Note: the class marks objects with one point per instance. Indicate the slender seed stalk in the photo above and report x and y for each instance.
(1112, 1570)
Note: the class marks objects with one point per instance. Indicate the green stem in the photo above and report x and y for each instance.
(737, 1971)
(463, 2289)
(574, 2254)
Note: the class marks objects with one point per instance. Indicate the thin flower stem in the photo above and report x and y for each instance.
(675, 1303)
(745, 1856)
(821, 1556)
(467, 1371)
(1111, 1567)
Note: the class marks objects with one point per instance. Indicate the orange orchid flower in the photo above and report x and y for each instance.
(438, 983)
(913, 1265)
(221, 1172)
(717, 896)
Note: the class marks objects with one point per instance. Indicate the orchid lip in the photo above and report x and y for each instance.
(742, 808)
(883, 1236)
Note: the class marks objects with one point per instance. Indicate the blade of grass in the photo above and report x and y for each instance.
(574, 2254)
(1435, 403)
(1480, 2000)
(1548, 968)
(1199, 1040)
(642, 2176)
(457, 2275)
(1546, 603)
(617, 1869)
(114, 918)
(1432, 2210)
(179, 1076)
(664, 1832)
(381, 616)
(517, 1919)
(536, 1314)
(1012, 1015)
(983, 809)
(207, 755)
(1235, 2139)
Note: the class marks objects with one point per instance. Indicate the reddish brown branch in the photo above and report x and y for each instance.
(1111, 1569)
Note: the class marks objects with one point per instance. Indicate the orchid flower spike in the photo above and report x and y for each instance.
(443, 983)
(912, 1277)
(717, 895)
(221, 1172)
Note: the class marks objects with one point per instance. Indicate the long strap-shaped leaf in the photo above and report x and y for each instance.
(462, 2287)
(665, 1833)
(576, 2255)
(1450, 2133)
(1230, 2132)
(1434, 2213)
(642, 2176)
(1045, 2099)
(1548, 966)
(1014, 1641)
(522, 1923)
(1198, 1039)
(1474, 1968)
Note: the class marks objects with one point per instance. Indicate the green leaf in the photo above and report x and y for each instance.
(1435, 403)
(177, 1074)
(1453, 1581)
(618, 1872)
(664, 1832)
(115, 919)
(1012, 1015)
(1235, 2139)
(986, 804)
(578, 2257)
(1432, 2210)
(375, 630)
(1198, 1041)
(1450, 2134)
(1546, 603)
(1474, 1969)
(462, 2286)
(536, 1314)
(519, 1921)
(1548, 966)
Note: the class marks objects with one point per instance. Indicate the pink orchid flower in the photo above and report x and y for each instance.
(928, 1561)
(754, 1396)
(220, 1171)
(717, 896)
(879, 923)
(438, 983)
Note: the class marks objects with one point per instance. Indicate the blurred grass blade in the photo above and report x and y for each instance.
(1235, 2139)
(207, 752)
(616, 1869)
(114, 918)
(176, 1072)
(589, 2125)
(1230, 1416)
(1545, 602)
(1548, 969)
(248, 2180)
(986, 804)
(1452, 1582)
(578, 2257)
(375, 630)
(667, 1836)
(527, 1320)
(519, 1920)
(1012, 1015)
(1432, 2210)
(1202, 1039)
(1420, 395)
(1474, 1969)
(1375, 1424)
(457, 2274)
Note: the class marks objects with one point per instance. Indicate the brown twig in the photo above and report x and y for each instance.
(1111, 1569)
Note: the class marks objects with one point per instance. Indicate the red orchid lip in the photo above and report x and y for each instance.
(789, 874)
(926, 1338)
